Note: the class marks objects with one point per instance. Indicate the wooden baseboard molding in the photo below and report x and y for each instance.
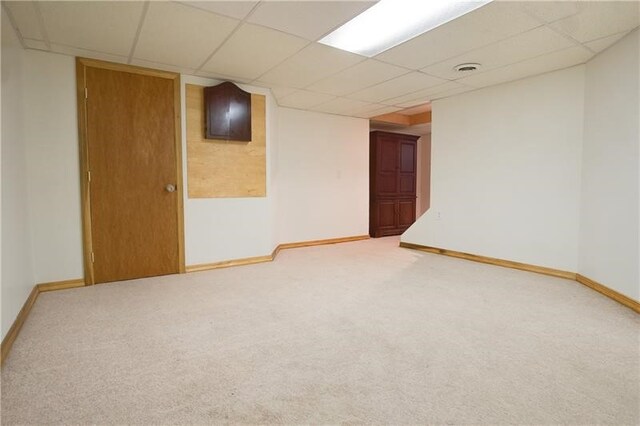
(60, 285)
(272, 256)
(228, 263)
(610, 293)
(493, 261)
(8, 340)
(321, 242)
(13, 332)
(603, 289)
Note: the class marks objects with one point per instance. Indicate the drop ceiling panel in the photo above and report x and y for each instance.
(545, 63)
(341, 106)
(308, 19)
(451, 92)
(550, 11)
(235, 9)
(253, 50)
(602, 43)
(398, 86)
(304, 99)
(221, 77)
(424, 95)
(164, 67)
(488, 24)
(523, 46)
(311, 64)
(84, 53)
(35, 44)
(180, 35)
(25, 18)
(358, 77)
(100, 26)
(599, 19)
(278, 92)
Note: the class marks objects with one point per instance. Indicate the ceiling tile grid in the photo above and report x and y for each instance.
(307, 19)
(541, 64)
(274, 44)
(598, 19)
(253, 50)
(97, 26)
(176, 34)
(404, 84)
(375, 109)
(483, 26)
(357, 77)
(311, 64)
(25, 17)
(602, 43)
(421, 96)
(341, 106)
(551, 11)
(232, 9)
(304, 99)
(523, 46)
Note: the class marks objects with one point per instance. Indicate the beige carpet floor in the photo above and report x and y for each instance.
(361, 332)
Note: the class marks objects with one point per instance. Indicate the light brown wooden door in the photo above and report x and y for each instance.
(133, 174)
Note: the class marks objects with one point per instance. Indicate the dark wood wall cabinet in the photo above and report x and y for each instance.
(392, 183)
(228, 112)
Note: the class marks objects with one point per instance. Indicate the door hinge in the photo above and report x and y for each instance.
(93, 258)
(86, 93)
(88, 175)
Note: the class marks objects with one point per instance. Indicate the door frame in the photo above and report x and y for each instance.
(85, 195)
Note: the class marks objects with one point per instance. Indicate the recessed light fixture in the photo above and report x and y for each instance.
(391, 22)
(467, 67)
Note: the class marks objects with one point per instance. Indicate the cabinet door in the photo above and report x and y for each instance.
(240, 115)
(387, 166)
(384, 218)
(407, 168)
(406, 213)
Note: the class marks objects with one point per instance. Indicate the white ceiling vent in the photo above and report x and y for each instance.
(470, 67)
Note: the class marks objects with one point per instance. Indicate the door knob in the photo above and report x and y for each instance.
(170, 187)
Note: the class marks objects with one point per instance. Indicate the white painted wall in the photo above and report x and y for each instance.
(609, 231)
(323, 169)
(51, 138)
(219, 229)
(505, 175)
(17, 272)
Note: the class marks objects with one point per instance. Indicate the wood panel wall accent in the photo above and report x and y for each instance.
(217, 168)
(600, 288)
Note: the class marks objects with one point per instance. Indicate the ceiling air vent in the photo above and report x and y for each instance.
(467, 67)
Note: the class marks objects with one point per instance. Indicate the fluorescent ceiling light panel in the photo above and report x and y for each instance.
(391, 22)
